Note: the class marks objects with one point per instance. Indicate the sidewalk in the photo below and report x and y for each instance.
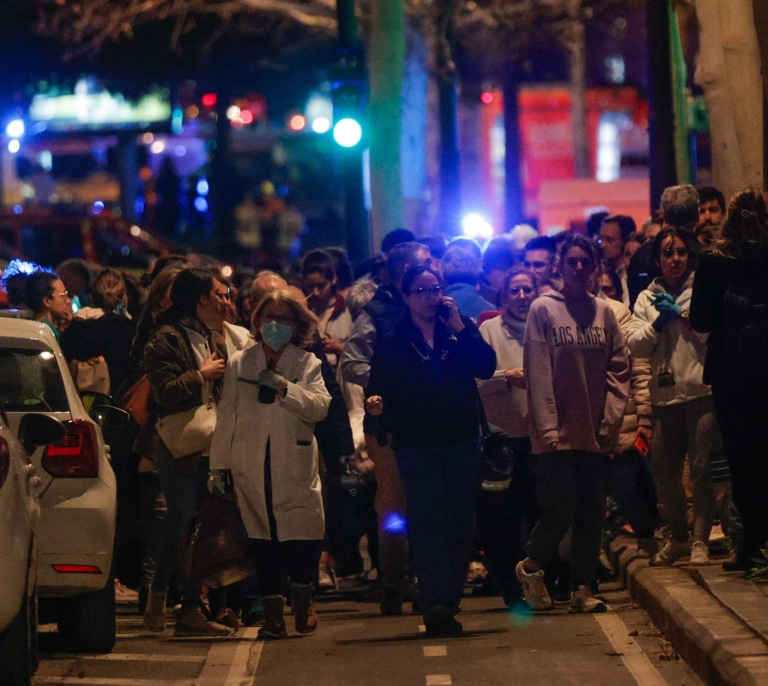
(717, 621)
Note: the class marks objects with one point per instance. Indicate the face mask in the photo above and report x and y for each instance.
(276, 335)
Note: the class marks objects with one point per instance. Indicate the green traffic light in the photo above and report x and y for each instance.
(347, 133)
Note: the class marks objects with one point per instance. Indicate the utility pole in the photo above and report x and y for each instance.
(351, 63)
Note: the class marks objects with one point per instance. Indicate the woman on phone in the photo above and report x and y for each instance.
(422, 388)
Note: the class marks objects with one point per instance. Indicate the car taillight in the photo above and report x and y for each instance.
(5, 461)
(76, 455)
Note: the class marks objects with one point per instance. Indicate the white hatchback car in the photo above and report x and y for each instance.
(77, 490)
(19, 515)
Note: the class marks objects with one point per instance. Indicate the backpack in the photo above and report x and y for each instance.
(745, 315)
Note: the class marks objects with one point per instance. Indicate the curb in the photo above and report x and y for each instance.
(719, 647)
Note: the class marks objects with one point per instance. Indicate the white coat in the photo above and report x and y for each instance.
(243, 428)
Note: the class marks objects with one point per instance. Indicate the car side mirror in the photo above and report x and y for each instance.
(102, 410)
(39, 429)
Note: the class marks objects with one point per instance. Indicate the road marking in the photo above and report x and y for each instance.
(632, 655)
(232, 662)
(146, 657)
(435, 651)
(111, 681)
(439, 680)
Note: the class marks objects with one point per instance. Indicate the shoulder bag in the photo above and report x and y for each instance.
(189, 432)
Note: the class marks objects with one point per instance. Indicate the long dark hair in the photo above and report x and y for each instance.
(188, 287)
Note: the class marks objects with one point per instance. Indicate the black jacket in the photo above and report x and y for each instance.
(430, 397)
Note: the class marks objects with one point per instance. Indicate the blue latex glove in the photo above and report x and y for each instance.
(271, 378)
(664, 302)
(665, 316)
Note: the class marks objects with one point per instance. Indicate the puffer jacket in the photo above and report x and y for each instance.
(677, 348)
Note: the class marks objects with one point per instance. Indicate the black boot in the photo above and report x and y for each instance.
(274, 626)
(303, 608)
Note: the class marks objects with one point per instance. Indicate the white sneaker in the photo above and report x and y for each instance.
(326, 579)
(699, 553)
(671, 552)
(582, 600)
(534, 591)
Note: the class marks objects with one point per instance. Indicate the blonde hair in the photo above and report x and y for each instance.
(306, 322)
(108, 290)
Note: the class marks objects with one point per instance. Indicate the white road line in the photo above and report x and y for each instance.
(111, 681)
(146, 657)
(439, 680)
(435, 651)
(632, 655)
(232, 662)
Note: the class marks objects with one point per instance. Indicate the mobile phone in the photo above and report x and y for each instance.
(444, 311)
(642, 445)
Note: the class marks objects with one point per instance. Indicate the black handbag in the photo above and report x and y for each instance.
(215, 549)
(496, 471)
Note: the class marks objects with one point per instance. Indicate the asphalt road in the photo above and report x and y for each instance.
(355, 645)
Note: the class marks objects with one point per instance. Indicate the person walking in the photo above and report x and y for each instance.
(184, 360)
(506, 518)
(683, 411)
(730, 301)
(273, 395)
(578, 383)
(422, 390)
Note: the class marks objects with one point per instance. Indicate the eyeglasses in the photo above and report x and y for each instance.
(535, 265)
(224, 295)
(424, 293)
(680, 252)
(65, 294)
(515, 290)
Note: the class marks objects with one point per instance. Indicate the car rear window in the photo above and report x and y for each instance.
(30, 381)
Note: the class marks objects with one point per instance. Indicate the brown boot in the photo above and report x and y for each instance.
(303, 608)
(154, 613)
(194, 623)
(274, 625)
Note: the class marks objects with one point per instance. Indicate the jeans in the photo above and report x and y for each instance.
(570, 485)
(677, 429)
(183, 489)
(440, 483)
(634, 491)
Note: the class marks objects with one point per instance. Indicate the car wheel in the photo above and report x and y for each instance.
(18, 646)
(88, 623)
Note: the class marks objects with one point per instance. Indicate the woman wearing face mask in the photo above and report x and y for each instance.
(273, 395)
(683, 410)
(505, 519)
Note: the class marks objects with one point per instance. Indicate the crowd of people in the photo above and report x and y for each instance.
(353, 409)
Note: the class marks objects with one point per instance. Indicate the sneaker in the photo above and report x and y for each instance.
(194, 623)
(326, 579)
(671, 552)
(699, 553)
(534, 591)
(582, 600)
(647, 547)
(123, 594)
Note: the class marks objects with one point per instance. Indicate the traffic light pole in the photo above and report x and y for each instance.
(355, 214)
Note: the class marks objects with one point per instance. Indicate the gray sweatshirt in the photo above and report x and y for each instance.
(577, 372)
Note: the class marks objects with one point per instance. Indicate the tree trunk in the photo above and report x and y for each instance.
(761, 24)
(578, 70)
(728, 71)
(661, 118)
(680, 101)
(387, 58)
(513, 178)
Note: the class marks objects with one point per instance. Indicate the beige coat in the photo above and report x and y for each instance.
(244, 427)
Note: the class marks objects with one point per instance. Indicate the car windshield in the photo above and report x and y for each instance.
(30, 381)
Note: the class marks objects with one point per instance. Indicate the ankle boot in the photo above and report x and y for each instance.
(303, 608)
(274, 624)
(154, 614)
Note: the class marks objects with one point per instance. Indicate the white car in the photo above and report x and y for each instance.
(19, 515)
(77, 489)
